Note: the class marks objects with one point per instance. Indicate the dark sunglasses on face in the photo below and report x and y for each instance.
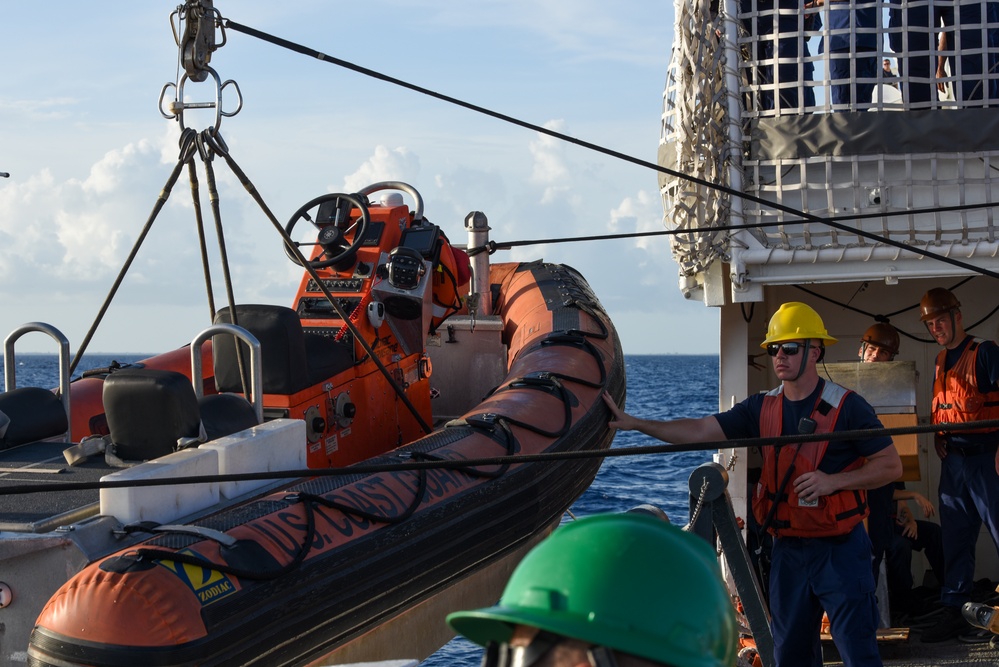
(504, 655)
(789, 349)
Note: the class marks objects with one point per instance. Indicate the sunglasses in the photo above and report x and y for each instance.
(789, 349)
(504, 655)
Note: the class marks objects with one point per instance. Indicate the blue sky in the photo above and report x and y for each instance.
(88, 152)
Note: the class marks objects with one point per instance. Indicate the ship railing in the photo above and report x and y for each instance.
(750, 103)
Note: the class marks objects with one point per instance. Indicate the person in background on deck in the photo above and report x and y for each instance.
(965, 389)
(811, 496)
(880, 343)
(977, 61)
(898, 533)
(912, 25)
(610, 590)
(852, 47)
(789, 45)
(911, 534)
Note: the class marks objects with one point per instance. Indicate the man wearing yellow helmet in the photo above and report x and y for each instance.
(965, 389)
(610, 590)
(811, 496)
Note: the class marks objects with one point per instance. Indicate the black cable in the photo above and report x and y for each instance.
(887, 318)
(542, 457)
(807, 217)
(493, 246)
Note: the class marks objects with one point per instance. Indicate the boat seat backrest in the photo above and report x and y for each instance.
(292, 359)
(225, 414)
(30, 414)
(148, 410)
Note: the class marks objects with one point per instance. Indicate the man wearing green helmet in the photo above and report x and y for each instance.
(811, 496)
(610, 590)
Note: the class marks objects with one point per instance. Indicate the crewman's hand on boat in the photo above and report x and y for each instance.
(619, 418)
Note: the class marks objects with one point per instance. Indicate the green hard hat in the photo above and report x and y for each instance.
(628, 582)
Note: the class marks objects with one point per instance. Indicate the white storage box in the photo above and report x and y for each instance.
(273, 446)
(163, 504)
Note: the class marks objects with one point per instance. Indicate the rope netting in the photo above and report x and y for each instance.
(694, 133)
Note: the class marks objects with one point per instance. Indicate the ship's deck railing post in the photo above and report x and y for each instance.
(477, 225)
(709, 489)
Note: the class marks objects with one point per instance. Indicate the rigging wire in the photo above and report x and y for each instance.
(493, 246)
(887, 318)
(805, 217)
(462, 464)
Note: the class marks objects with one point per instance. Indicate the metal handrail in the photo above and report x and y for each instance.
(10, 365)
(256, 363)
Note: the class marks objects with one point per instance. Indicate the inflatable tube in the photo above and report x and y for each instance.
(288, 577)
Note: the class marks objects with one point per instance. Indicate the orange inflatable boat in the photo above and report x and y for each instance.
(392, 367)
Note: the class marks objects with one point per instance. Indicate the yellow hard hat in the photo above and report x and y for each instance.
(794, 320)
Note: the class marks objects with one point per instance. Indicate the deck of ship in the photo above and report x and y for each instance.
(911, 652)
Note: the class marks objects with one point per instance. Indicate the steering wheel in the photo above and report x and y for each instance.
(397, 185)
(338, 234)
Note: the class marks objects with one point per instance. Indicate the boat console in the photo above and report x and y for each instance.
(379, 278)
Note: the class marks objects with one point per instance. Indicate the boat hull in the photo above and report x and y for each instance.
(325, 562)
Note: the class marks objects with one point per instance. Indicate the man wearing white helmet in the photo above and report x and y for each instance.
(811, 495)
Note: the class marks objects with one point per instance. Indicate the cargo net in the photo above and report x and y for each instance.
(695, 128)
(819, 88)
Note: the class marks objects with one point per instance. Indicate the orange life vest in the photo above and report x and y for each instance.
(827, 516)
(450, 280)
(956, 398)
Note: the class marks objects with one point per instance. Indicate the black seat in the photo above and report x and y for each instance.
(225, 414)
(293, 359)
(148, 410)
(28, 414)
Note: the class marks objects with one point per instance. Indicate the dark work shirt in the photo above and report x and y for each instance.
(743, 421)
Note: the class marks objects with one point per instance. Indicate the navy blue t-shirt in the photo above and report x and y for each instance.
(743, 421)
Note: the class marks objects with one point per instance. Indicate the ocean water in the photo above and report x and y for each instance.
(659, 387)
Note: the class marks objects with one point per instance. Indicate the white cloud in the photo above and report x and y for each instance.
(641, 213)
(53, 108)
(384, 165)
(549, 169)
(84, 182)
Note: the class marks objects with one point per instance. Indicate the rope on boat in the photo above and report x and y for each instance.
(698, 506)
(126, 560)
(187, 149)
(695, 180)
(451, 464)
